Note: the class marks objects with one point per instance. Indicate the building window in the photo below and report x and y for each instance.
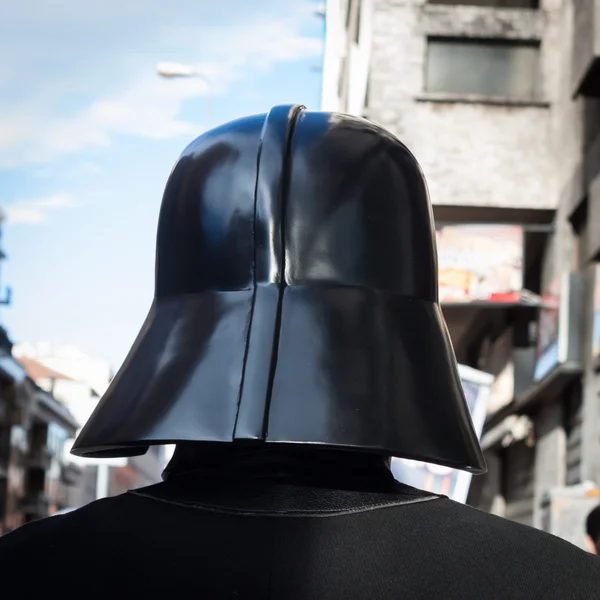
(493, 3)
(499, 68)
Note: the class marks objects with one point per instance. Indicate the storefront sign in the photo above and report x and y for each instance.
(444, 480)
(480, 263)
(549, 349)
(596, 326)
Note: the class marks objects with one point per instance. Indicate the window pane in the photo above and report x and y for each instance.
(508, 70)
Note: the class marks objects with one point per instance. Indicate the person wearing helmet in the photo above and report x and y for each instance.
(295, 344)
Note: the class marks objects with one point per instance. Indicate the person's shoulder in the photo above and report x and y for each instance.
(523, 546)
(47, 537)
(494, 557)
(34, 531)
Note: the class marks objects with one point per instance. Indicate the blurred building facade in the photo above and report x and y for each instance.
(498, 101)
(78, 381)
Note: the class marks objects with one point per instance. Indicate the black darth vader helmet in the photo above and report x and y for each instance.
(296, 301)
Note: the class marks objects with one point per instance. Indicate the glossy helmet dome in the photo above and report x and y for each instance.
(296, 301)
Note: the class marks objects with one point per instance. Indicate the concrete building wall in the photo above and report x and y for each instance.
(590, 388)
(567, 121)
(333, 54)
(486, 491)
(473, 150)
(576, 138)
(519, 482)
(346, 60)
(359, 58)
(477, 151)
(550, 449)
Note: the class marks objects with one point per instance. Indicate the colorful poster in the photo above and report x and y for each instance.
(444, 480)
(596, 331)
(480, 263)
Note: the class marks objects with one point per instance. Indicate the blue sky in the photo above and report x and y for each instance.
(89, 134)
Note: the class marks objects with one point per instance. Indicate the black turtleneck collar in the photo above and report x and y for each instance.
(298, 465)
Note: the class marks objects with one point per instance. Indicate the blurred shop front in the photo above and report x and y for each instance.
(490, 292)
(522, 300)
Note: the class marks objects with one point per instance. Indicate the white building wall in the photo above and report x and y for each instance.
(333, 54)
(343, 54)
(359, 57)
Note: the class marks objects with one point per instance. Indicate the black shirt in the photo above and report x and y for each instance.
(204, 538)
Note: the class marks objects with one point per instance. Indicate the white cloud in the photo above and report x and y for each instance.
(37, 128)
(34, 211)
